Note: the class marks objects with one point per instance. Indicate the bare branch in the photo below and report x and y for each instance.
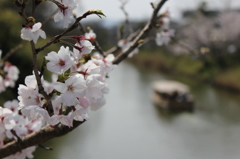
(122, 7)
(13, 50)
(116, 49)
(141, 35)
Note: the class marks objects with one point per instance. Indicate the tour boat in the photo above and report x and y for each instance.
(172, 96)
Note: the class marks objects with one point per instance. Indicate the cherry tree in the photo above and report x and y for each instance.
(44, 110)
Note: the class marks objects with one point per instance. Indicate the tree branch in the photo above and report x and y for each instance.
(72, 27)
(45, 134)
(141, 35)
(116, 49)
(122, 7)
(35, 69)
(13, 50)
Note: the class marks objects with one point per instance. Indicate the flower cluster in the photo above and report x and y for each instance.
(8, 75)
(164, 36)
(32, 31)
(79, 79)
(13, 125)
(80, 84)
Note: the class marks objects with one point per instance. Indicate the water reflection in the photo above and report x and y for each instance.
(130, 127)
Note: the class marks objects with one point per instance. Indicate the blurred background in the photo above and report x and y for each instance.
(204, 55)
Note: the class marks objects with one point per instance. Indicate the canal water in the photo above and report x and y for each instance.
(129, 126)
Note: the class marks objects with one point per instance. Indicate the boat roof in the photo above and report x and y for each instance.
(168, 86)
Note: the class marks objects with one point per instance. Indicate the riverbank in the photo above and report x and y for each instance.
(189, 67)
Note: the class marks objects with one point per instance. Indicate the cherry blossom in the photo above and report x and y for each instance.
(90, 35)
(6, 123)
(82, 47)
(22, 126)
(165, 22)
(11, 120)
(105, 64)
(72, 89)
(9, 75)
(57, 105)
(96, 103)
(90, 68)
(84, 102)
(59, 62)
(33, 33)
(80, 114)
(65, 12)
(29, 96)
(35, 112)
(48, 86)
(164, 37)
(63, 119)
(29, 125)
(94, 85)
(12, 105)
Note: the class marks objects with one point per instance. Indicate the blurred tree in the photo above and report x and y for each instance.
(213, 34)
